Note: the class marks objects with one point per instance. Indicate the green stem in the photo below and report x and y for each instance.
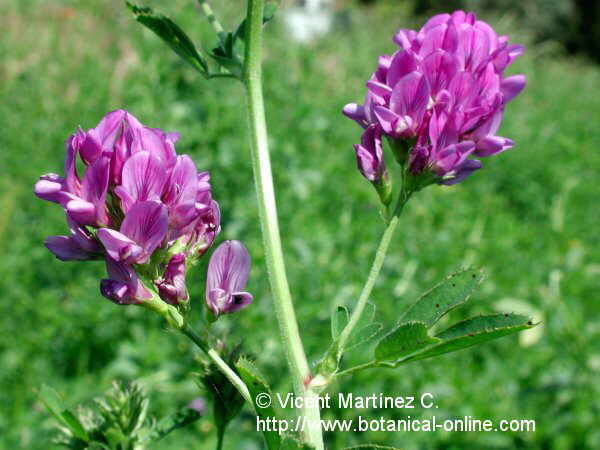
(266, 197)
(263, 180)
(210, 15)
(374, 273)
(364, 366)
(220, 438)
(222, 365)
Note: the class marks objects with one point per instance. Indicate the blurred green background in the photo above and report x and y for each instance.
(530, 218)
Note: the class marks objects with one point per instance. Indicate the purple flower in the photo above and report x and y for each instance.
(227, 275)
(198, 404)
(142, 231)
(80, 245)
(369, 158)
(369, 155)
(123, 287)
(171, 287)
(137, 204)
(440, 98)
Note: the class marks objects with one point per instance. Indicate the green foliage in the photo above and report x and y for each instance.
(292, 443)
(269, 11)
(177, 420)
(257, 385)
(339, 319)
(227, 401)
(409, 344)
(405, 339)
(365, 331)
(53, 402)
(442, 298)
(371, 447)
(172, 35)
(412, 339)
(118, 422)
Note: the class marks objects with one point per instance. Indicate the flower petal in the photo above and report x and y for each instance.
(512, 86)
(143, 178)
(146, 223)
(410, 97)
(227, 271)
(94, 187)
(123, 276)
(238, 301)
(84, 213)
(66, 248)
(171, 287)
(120, 247)
(49, 187)
(403, 63)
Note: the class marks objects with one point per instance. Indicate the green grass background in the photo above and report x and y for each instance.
(530, 218)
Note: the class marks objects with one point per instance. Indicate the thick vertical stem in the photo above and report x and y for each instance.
(263, 180)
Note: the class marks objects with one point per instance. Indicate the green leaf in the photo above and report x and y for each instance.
(53, 403)
(470, 332)
(403, 340)
(445, 296)
(51, 400)
(339, 319)
(371, 447)
(180, 419)
(172, 35)
(268, 13)
(484, 324)
(364, 335)
(74, 425)
(233, 64)
(365, 330)
(257, 385)
(291, 443)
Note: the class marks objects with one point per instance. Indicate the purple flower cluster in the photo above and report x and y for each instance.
(142, 208)
(439, 99)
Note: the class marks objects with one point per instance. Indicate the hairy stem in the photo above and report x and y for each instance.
(380, 255)
(210, 15)
(222, 365)
(263, 180)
